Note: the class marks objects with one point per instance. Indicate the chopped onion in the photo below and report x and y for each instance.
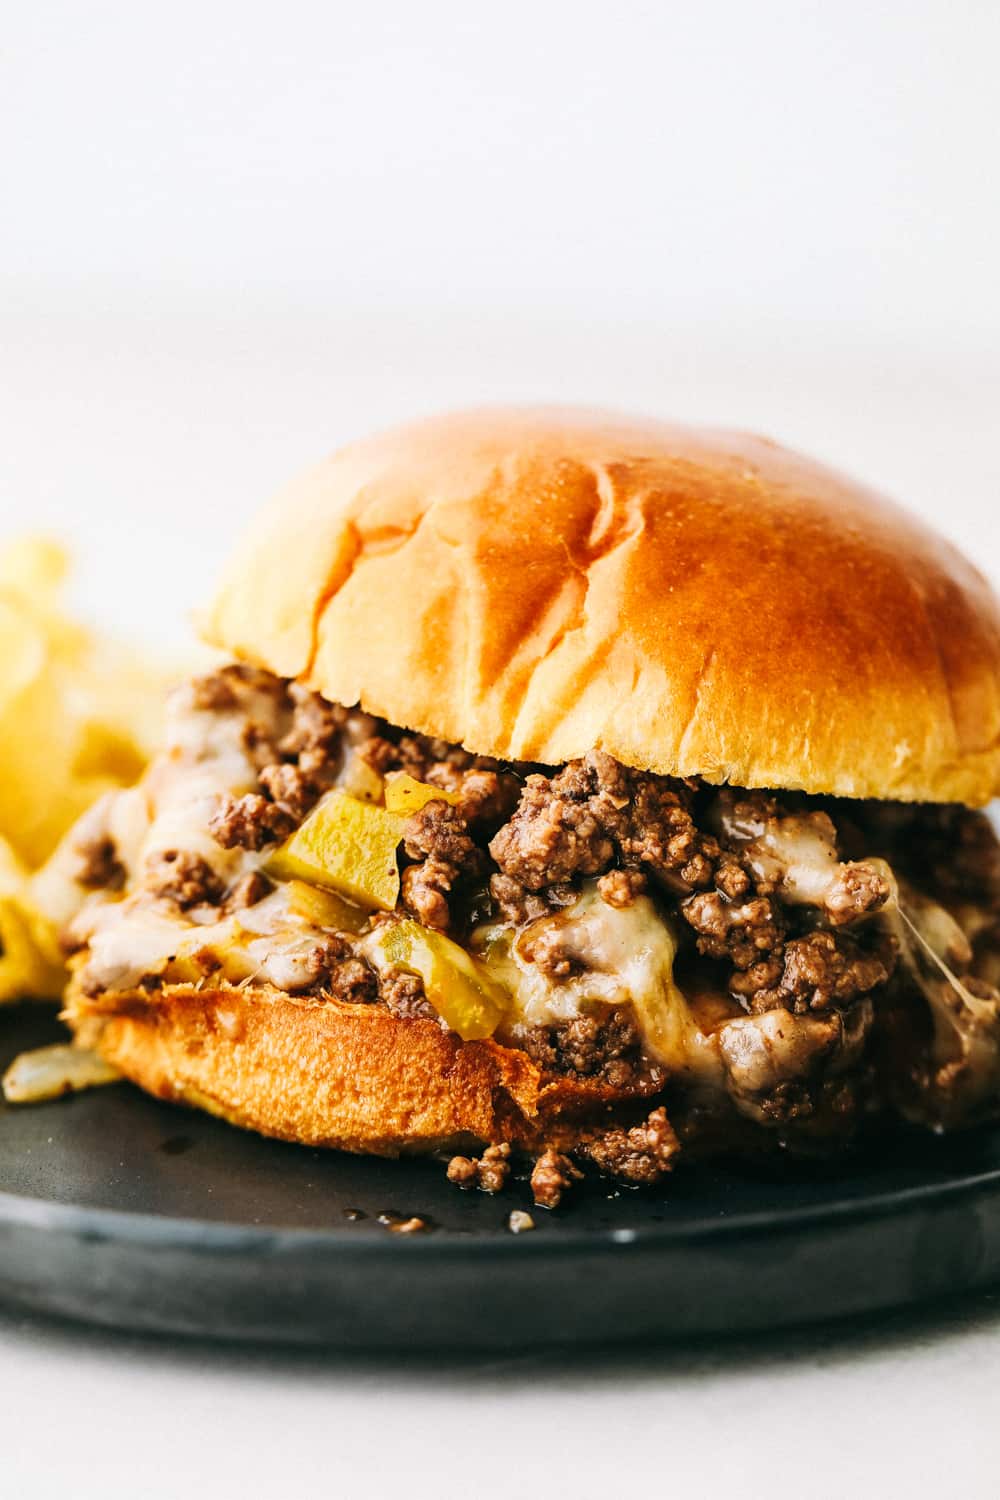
(49, 1072)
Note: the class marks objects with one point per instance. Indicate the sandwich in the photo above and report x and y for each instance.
(571, 790)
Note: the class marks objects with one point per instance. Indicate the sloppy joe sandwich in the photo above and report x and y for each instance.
(598, 790)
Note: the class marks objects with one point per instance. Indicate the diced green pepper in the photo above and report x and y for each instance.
(347, 845)
(359, 779)
(405, 795)
(458, 987)
(324, 908)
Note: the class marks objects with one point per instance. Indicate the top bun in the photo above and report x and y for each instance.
(534, 584)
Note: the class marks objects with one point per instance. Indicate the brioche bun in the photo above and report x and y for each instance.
(534, 584)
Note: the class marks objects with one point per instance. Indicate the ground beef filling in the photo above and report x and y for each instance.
(440, 841)
(596, 817)
(773, 892)
(607, 1049)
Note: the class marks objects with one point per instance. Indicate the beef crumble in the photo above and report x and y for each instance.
(184, 878)
(820, 971)
(404, 996)
(488, 1172)
(641, 1154)
(314, 738)
(606, 1049)
(289, 788)
(438, 839)
(620, 887)
(247, 891)
(423, 757)
(516, 905)
(347, 977)
(237, 686)
(99, 867)
(249, 822)
(552, 1175)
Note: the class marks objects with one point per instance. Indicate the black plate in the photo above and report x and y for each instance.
(123, 1211)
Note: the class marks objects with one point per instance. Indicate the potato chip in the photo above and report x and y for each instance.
(34, 566)
(79, 716)
(30, 961)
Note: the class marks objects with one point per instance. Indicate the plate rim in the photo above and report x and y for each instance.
(210, 1236)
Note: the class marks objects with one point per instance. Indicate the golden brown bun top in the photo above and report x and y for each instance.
(538, 583)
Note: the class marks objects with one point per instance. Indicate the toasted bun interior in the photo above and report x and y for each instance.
(536, 584)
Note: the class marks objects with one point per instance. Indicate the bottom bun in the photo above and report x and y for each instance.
(325, 1073)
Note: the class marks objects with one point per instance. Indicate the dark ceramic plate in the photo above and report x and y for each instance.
(123, 1211)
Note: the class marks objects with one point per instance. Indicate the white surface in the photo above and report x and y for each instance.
(727, 161)
(234, 235)
(906, 1408)
(149, 429)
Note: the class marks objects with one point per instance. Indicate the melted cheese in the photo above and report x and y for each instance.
(796, 852)
(621, 957)
(206, 756)
(271, 942)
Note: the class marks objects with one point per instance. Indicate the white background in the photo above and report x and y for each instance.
(233, 235)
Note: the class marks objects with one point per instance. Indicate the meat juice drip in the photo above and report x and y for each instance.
(176, 1145)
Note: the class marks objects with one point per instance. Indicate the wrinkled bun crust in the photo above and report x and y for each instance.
(536, 584)
(324, 1073)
